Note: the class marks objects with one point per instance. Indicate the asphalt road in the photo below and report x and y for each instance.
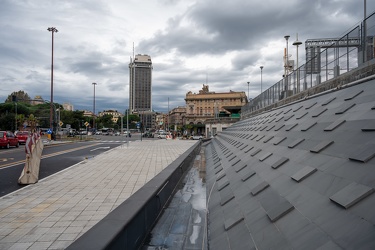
(54, 158)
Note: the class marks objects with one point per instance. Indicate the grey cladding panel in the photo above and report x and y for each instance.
(238, 168)
(279, 127)
(311, 105)
(295, 143)
(290, 127)
(279, 119)
(259, 188)
(232, 221)
(218, 170)
(248, 175)
(364, 156)
(303, 173)
(247, 150)
(226, 197)
(319, 112)
(298, 108)
(345, 108)
(255, 152)
(351, 194)
(279, 211)
(280, 162)
(308, 126)
(302, 115)
(328, 101)
(222, 183)
(232, 158)
(334, 125)
(260, 138)
(287, 111)
(268, 129)
(220, 176)
(235, 163)
(288, 117)
(321, 146)
(265, 156)
(353, 96)
(279, 140)
(268, 139)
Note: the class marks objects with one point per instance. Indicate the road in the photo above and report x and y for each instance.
(55, 158)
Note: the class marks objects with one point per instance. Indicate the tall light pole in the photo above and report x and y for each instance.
(297, 43)
(248, 86)
(93, 121)
(286, 66)
(53, 30)
(261, 79)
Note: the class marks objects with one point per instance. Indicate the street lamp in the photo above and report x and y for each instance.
(297, 43)
(53, 30)
(93, 122)
(248, 85)
(286, 66)
(261, 78)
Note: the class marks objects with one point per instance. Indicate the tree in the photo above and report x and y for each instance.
(21, 96)
(105, 121)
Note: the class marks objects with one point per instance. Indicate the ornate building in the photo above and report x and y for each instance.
(207, 105)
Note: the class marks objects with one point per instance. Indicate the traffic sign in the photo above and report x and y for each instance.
(86, 124)
(49, 131)
(61, 123)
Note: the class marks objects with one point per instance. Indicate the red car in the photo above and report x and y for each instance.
(8, 139)
(22, 136)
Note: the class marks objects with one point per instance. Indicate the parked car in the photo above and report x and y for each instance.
(196, 137)
(162, 135)
(22, 136)
(8, 139)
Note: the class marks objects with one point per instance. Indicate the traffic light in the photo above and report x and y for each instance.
(14, 98)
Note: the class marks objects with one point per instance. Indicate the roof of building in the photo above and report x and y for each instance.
(297, 177)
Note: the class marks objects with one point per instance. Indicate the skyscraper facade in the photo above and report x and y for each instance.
(140, 79)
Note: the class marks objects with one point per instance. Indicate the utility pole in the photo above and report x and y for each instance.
(53, 30)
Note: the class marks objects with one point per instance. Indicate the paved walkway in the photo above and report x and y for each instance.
(58, 209)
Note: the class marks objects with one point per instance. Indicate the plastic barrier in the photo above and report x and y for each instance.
(33, 149)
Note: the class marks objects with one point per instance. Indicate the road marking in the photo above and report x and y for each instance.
(99, 148)
(47, 156)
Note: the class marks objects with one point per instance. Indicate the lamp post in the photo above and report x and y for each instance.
(261, 79)
(286, 66)
(53, 30)
(248, 86)
(93, 121)
(297, 43)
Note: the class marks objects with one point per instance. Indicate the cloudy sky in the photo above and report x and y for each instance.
(191, 42)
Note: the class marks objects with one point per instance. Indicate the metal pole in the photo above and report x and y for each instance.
(297, 43)
(248, 85)
(286, 67)
(53, 30)
(93, 122)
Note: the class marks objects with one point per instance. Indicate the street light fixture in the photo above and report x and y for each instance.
(286, 66)
(93, 122)
(248, 86)
(261, 79)
(297, 43)
(53, 30)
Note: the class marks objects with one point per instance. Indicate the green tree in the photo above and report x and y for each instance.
(104, 121)
(21, 97)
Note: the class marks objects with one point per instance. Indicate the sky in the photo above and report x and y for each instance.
(191, 43)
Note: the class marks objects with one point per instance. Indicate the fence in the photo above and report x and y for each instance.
(326, 59)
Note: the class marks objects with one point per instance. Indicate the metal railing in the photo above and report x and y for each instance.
(326, 59)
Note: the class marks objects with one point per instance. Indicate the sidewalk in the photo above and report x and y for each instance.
(58, 209)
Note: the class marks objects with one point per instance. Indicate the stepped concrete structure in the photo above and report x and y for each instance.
(299, 176)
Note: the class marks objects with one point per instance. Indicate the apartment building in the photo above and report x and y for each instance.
(140, 82)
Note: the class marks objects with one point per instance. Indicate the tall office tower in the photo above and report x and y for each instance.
(140, 78)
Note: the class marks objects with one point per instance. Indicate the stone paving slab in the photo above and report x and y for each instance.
(54, 212)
